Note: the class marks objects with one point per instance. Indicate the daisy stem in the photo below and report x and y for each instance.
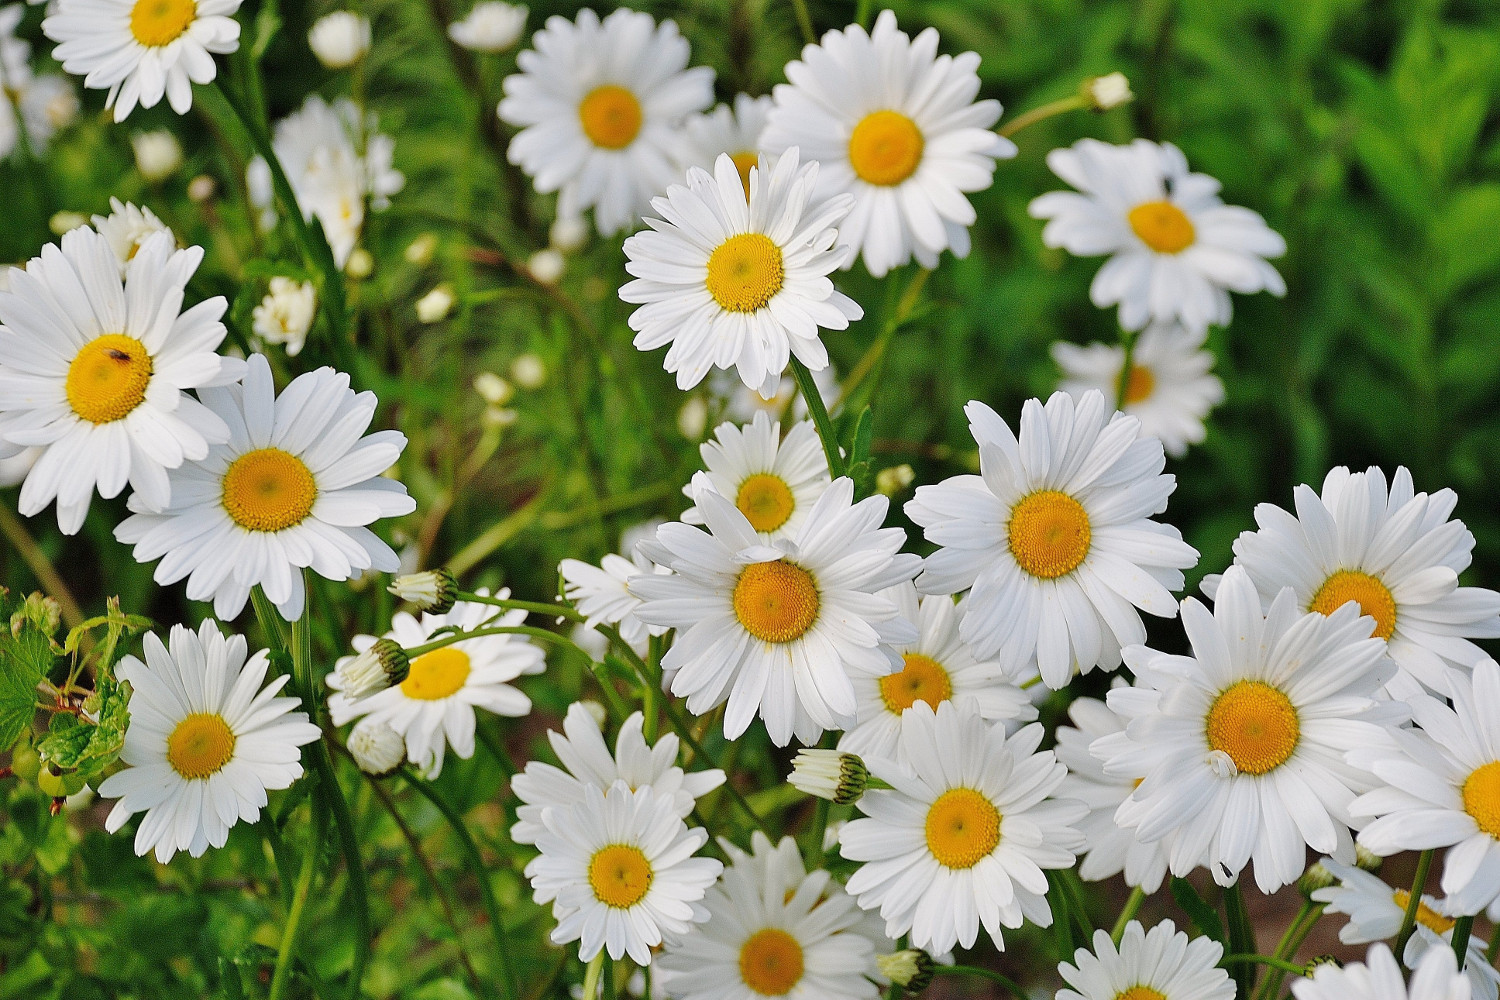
(804, 22)
(1494, 951)
(609, 979)
(1122, 387)
(479, 633)
(271, 622)
(1409, 919)
(652, 690)
(283, 968)
(1241, 936)
(591, 976)
(538, 607)
(1132, 907)
(1271, 960)
(899, 315)
(1062, 105)
(819, 414)
(1286, 948)
(1462, 928)
(981, 973)
(41, 567)
(680, 726)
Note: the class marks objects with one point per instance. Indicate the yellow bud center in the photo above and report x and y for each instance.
(1048, 534)
(200, 745)
(745, 272)
(771, 962)
(1255, 724)
(1482, 798)
(1426, 915)
(963, 828)
(268, 490)
(620, 875)
(776, 601)
(765, 500)
(611, 116)
(1162, 226)
(921, 679)
(159, 22)
(108, 378)
(436, 675)
(885, 148)
(1140, 385)
(1373, 597)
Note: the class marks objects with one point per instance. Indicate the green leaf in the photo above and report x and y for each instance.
(1203, 916)
(74, 743)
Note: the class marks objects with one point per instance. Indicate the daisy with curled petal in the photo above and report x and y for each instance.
(1394, 552)
(92, 370)
(734, 132)
(205, 741)
(1240, 747)
(1177, 250)
(292, 488)
(1440, 787)
(599, 105)
(1112, 848)
(1055, 537)
(433, 708)
(779, 629)
(143, 49)
(619, 870)
(936, 668)
(586, 760)
(773, 481)
(895, 125)
(731, 283)
(962, 838)
(1379, 978)
(1169, 389)
(1159, 964)
(774, 930)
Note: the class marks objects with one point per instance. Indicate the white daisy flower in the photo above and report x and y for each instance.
(586, 760)
(598, 105)
(619, 872)
(1159, 964)
(1376, 912)
(773, 481)
(774, 930)
(339, 39)
(1436, 978)
(48, 105)
(938, 667)
(736, 285)
(896, 125)
(141, 50)
(1440, 787)
(491, 26)
(1241, 746)
(1112, 848)
(1176, 250)
(205, 741)
(433, 708)
(1055, 537)
(127, 227)
(15, 463)
(93, 369)
(293, 488)
(779, 629)
(602, 594)
(963, 837)
(1395, 553)
(286, 313)
(733, 132)
(1169, 390)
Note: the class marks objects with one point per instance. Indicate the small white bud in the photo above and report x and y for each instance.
(202, 188)
(435, 306)
(66, 222)
(529, 371)
(910, 969)
(894, 479)
(547, 266)
(376, 747)
(360, 264)
(339, 39)
(286, 314)
(377, 668)
(490, 27)
(157, 154)
(568, 233)
(1106, 92)
(420, 250)
(493, 389)
(692, 418)
(829, 774)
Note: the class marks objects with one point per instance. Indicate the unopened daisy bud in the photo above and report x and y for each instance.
(420, 250)
(492, 26)
(1320, 961)
(895, 479)
(376, 747)
(360, 265)
(377, 668)
(911, 969)
(839, 777)
(568, 233)
(493, 389)
(201, 188)
(66, 222)
(1316, 877)
(339, 39)
(1106, 92)
(692, 418)
(1367, 859)
(546, 266)
(435, 306)
(286, 313)
(434, 590)
(529, 371)
(157, 154)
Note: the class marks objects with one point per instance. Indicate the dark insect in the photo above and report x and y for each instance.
(118, 355)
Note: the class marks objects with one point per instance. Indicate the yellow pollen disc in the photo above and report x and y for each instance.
(1141, 993)
(1140, 385)
(771, 962)
(1426, 915)
(922, 679)
(160, 22)
(766, 501)
(1049, 534)
(437, 674)
(201, 745)
(1162, 226)
(1373, 597)
(745, 272)
(620, 875)
(108, 378)
(1255, 724)
(269, 490)
(776, 601)
(963, 827)
(743, 162)
(885, 148)
(611, 116)
(1482, 798)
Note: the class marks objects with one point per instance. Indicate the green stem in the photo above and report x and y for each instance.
(591, 976)
(536, 607)
(862, 12)
(1241, 937)
(271, 622)
(1494, 950)
(976, 972)
(359, 885)
(36, 560)
(294, 916)
(1409, 919)
(479, 633)
(1062, 105)
(680, 726)
(1122, 386)
(609, 979)
(908, 301)
(1271, 960)
(652, 689)
(1462, 928)
(819, 414)
(1132, 907)
(804, 22)
(1286, 948)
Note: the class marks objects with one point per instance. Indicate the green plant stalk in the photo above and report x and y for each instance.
(975, 972)
(1132, 907)
(1494, 949)
(1463, 927)
(1062, 105)
(876, 352)
(536, 607)
(1270, 960)
(804, 22)
(283, 969)
(1122, 387)
(36, 560)
(1286, 948)
(1409, 919)
(652, 690)
(478, 633)
(1241, 937)
(591, 976)
(819, 414)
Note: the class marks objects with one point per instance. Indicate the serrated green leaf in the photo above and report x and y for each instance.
(73, 743)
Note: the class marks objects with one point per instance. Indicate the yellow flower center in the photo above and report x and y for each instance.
(1426, 915)
(766, 501)
(922, 679)
(1255, 724)
(1049, 534)
(771, 962)
(885, 148)
(1141, 993)
(963, 827)
(160, 22)
(743, 161)
(269, 490)
(1162, 226)
(776, 601)
(200, 746)
(1140, 385)
(620, 875)
(745, 272)
(1373, 597)
(436, 675)
(1482, 798)
(108, 378)
(611, 116)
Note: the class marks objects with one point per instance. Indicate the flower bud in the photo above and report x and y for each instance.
(435, 590)
(910, 969)
(435, 306)
(1316, 877)
(157, 154)
(376, 747)
(568, 233)
(360, 265)
(492, 26)
(377, 668)
(1106, 92)
(202, 188)
(546, 266)
(529, 371)
(894, 479)
(1367, 859)
(420, 250)
(1321, 960)
(839, 777)
(339, 39)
